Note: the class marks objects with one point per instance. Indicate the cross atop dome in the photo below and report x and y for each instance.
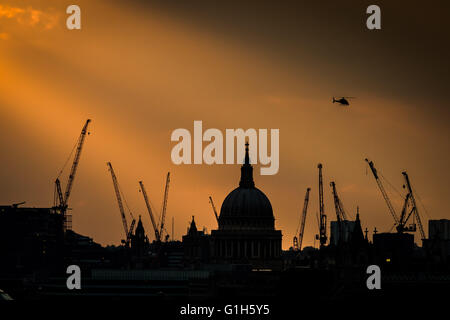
(247, 157)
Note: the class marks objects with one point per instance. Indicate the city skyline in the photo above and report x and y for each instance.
(141, 71)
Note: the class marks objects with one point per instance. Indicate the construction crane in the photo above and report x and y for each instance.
(322, 216)
(298, 241)
(63, 200)
(404, 218)
(76, 160)
(128, 231)
(340, 212)
(214, 208)
(413, 201)
(164, 206)
(383, 192)
(150, 212)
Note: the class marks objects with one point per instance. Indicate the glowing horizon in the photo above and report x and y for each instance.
(139, 73)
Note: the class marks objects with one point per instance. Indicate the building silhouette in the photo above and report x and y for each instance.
(246, 233)
(30, 238)
(196, 246)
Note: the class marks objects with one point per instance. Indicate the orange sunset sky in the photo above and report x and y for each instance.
(141, 69)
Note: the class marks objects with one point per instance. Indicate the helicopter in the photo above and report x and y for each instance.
(342, 100)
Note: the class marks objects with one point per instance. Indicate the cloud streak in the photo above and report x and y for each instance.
(29, 17)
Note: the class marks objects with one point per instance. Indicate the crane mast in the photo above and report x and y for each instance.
(302, 224)
(295, 244)
(119, 199)
(413, 201)
(383, 192)
(322, 216)
(164, 206)
(214, 208)
(150, 212)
